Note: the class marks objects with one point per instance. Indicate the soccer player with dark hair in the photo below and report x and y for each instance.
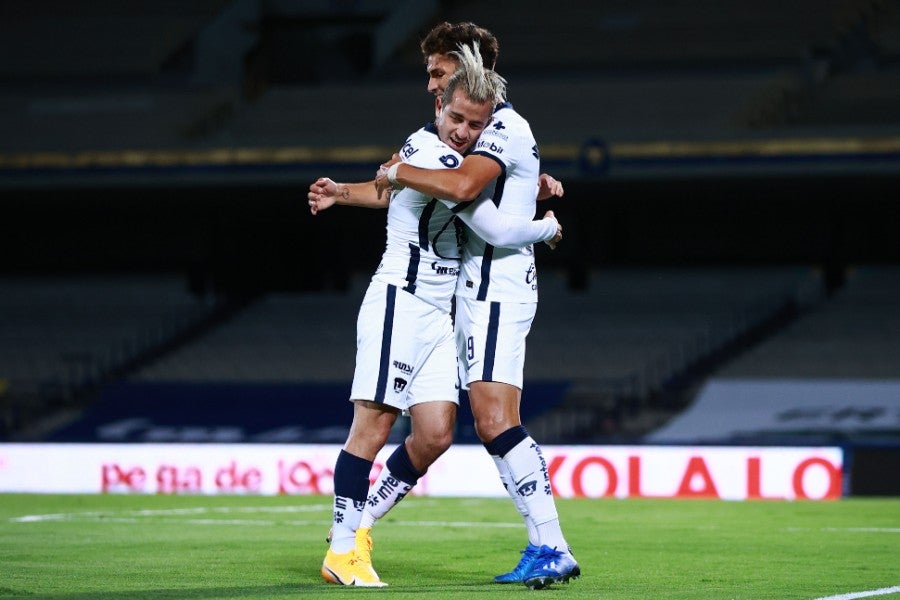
(496, 304)
(444, 39)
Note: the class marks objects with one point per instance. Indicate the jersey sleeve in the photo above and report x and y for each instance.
(503, 230)
(424, 151)
(499, 143)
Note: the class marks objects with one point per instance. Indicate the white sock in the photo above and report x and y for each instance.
(347, 515)
(507, 481)
(531, 482)
(386, 492)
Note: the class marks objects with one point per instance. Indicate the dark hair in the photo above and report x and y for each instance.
(446, 38)
(480, 85)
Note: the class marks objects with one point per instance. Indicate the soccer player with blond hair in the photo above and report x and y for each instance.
(406, 351)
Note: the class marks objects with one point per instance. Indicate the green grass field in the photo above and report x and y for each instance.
(104, 547)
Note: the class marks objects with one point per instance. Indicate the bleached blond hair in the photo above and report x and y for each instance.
(479, 84)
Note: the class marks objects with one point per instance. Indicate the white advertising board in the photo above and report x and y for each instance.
(728, 473)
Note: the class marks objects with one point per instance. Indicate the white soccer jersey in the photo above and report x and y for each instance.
(406, 352)
(502, 274)
(423, 237)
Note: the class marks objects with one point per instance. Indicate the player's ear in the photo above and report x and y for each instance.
(437, 107)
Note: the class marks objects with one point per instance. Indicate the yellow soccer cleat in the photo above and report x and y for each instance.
(364, 544)
(349, 569)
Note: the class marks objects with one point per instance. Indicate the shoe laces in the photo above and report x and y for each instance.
(548, 554)
(364, 549)
(528, 555)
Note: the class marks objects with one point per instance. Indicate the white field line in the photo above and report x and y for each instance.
(164, 516)
(103, 516)
(865, 529)
(866, 594)
(848, 529)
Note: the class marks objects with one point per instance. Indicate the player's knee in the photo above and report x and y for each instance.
(439, 442)
(430, 446)
(365, 446)
(443, 441)
(488, 428)
(492, 422)
(366, 439)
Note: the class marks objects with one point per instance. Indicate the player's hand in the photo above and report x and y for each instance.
(395, 158)
(548, 187)
(322, 194)
(382, 185)
(556, 238)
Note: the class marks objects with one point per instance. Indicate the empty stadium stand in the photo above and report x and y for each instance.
(164, 76)
(830, 376)
(63, 335)
(308, 337)
(855, 335)
(655, 33)
(185, 133)
(599, 353)
(636, 338)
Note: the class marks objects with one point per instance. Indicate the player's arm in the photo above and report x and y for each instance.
(462, 184)
(509, 231)
(325, 193)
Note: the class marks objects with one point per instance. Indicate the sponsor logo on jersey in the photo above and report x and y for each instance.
(408, 150)
(399, 384)
(489, 146)
(494, 130)
(530, 274)
(442, 270)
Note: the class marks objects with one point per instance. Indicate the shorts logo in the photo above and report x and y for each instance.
(403, 367)
(399, 384)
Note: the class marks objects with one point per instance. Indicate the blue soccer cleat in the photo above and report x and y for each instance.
(551, 566)
(517, 575)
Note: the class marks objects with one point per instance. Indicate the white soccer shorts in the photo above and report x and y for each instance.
(490, 337)
(405, 350)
